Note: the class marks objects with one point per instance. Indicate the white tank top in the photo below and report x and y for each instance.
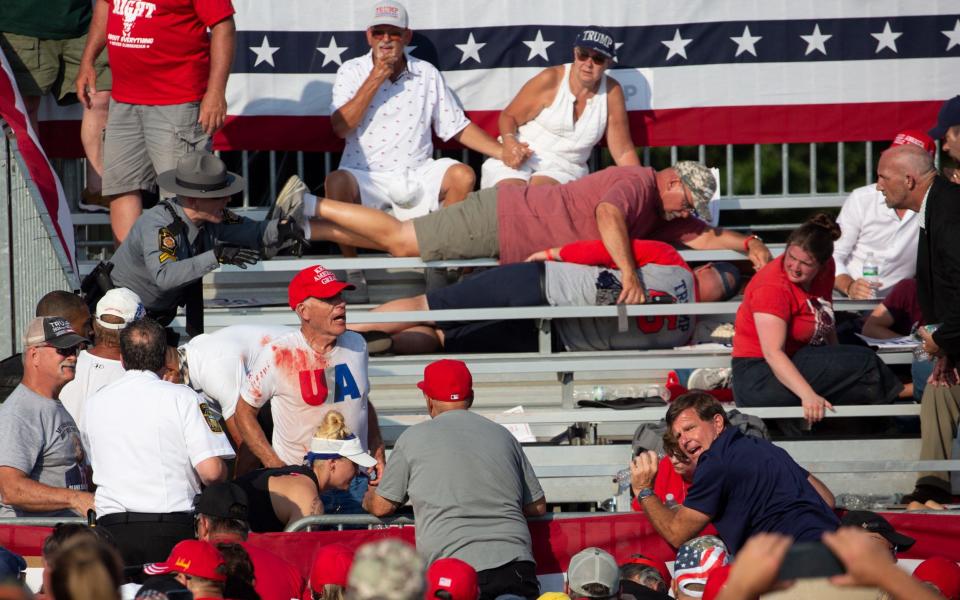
(554, 132)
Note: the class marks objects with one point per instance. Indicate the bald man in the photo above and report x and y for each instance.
(907, 178)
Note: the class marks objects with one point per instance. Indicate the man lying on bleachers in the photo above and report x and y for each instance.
(615, 205)
(577, 274)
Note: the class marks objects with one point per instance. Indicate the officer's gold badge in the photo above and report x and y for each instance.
(168, 245)
(211, 418)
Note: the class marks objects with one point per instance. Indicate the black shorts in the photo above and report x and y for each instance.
(518, 284)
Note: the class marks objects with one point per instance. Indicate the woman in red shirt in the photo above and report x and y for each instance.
(785, 348)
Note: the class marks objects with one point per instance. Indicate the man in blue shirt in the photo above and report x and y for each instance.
(743, 485)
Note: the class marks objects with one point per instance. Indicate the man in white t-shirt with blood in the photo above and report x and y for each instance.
(319, 367)
(100, 364)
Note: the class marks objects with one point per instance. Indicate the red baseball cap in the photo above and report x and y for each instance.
(915, 137)
(941, 572)
(191, 557)
(454, 576)
(716, 581)
(447, 380)
(315, 282)
(331, 564)
(659, 565)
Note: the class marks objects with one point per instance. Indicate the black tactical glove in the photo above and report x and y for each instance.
(232, 254)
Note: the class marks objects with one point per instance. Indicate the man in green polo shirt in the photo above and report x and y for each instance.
(43, 42)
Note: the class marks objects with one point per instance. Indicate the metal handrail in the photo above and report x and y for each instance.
(41, 521)
(340, 521)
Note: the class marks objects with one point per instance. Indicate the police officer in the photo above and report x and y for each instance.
(174, 244)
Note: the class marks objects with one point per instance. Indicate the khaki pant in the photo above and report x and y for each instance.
(939, 414)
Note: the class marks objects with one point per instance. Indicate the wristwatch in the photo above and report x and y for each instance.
(644, 493)
(746, 242)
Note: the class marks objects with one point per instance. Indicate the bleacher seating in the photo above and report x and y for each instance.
(544, 382)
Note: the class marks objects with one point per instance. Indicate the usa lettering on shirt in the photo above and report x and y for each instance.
(298, 382)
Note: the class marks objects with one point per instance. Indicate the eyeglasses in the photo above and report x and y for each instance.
(71, 351)
(596, 57)
(393, 34)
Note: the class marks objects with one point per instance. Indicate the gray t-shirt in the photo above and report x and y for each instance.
(468, 480)
(569, 284)
(38, 437)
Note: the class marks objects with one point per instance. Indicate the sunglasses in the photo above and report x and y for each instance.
(71, 351)
(393, 34)
(597, 58)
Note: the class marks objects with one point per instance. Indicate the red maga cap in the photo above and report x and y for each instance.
(941, 572)
(191, 557)
(454, 576)
(331, 565)
(314, 282)
(447, 380)
(915, 137)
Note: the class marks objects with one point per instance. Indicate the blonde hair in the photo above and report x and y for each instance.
(332, 591)
(333, 427)
(86, 570)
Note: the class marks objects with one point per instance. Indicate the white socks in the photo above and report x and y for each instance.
(309, 212)
(309, 206)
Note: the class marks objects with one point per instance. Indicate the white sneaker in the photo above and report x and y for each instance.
(360, 295)
(289, 202)
(710, 378)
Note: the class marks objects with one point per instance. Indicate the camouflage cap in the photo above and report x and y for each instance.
(701, 183)
(386, 570)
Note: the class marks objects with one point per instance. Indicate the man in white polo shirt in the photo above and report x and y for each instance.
(386, 105)
(100, 364)
(316, 368)
(151, 443)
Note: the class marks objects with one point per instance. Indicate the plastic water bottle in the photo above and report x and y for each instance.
(871, 273)
(622, 479)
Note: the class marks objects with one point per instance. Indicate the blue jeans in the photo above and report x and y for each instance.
(346, 502)
(920, 370)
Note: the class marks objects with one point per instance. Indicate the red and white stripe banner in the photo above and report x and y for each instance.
(694, 72)
(554, 542)
(13, 111)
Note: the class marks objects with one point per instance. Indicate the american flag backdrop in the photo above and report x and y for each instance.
(694, 71)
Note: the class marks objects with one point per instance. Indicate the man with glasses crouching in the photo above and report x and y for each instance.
(43, 467)
(386, 105)
(561, 114)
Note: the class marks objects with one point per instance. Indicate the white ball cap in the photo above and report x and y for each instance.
(120, 302)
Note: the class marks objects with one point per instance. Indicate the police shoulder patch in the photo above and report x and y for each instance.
(230, 217)
(167, 245)
(213, 422)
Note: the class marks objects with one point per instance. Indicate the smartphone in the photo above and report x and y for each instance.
(809, 559)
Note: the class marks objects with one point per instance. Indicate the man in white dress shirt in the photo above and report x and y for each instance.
(151, 443)
(100, 364)
(869, 226)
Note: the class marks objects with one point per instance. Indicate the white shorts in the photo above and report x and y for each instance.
(417, 189)
(494, 171)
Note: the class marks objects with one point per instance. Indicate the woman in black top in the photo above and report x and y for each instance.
(279, 497)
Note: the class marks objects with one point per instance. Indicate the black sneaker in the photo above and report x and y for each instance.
(378, 342)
